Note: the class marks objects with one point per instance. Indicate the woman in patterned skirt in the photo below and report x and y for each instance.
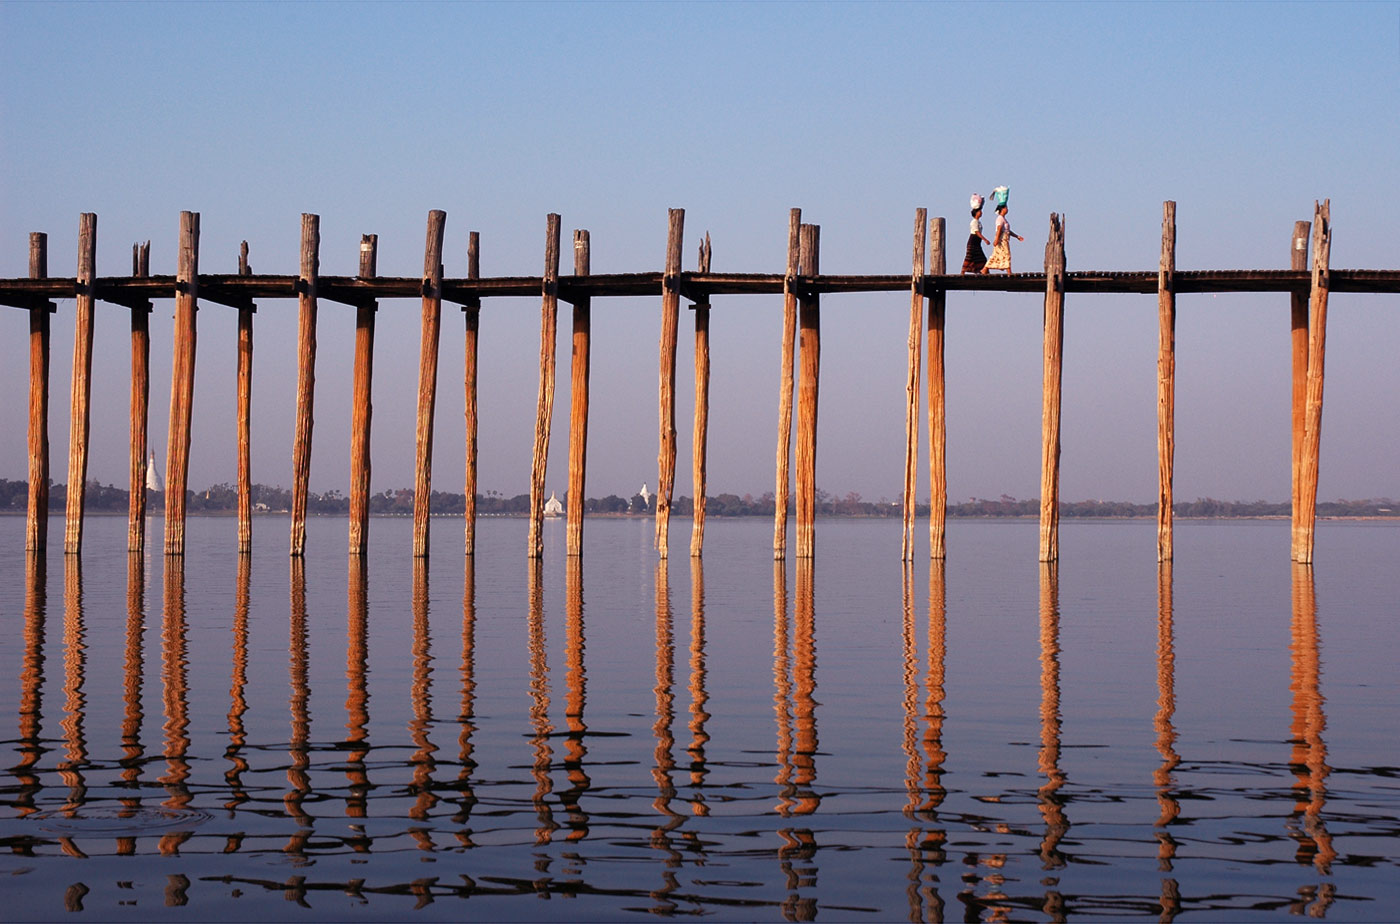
(975, 261)
(1001, 250)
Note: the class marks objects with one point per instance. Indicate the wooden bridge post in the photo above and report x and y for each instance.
(1317, 344)
(140, 404)
(36, 527)
(578, 400)
(670, 321)
(937, 410)
(1050, 414)
(785, 384)
(177, 449)
(701, 437)
(306, 375)
(471, 317)
(80, 417)
(911, 382)
(808, 369)
(427, 379)
(1298, 260)
(544, 404)
(245, 412)
(361, 409)
(1166, 380)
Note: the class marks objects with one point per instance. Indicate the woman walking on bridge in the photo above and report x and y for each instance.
(975, 260)
(1001, 250)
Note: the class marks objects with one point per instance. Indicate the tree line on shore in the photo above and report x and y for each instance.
(223, 499)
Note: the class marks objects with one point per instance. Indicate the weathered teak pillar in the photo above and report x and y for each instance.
(670, 321)
(245, 411)
(1317, 344)
(808, 368)
(578, 400)
(36, 528)
(177, 449)
(361, 408)
(306, 375)
(911, 382)
(937, 410)
(1166, 380)
(427, 379)
(544, 403)
(783, 484)
(701, 436)
(140, 404)
(80, 417)
(471, 317)
(1298, 260)
(1050, 413)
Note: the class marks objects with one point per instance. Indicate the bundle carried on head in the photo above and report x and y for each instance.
(976, 202)
(1000, 195)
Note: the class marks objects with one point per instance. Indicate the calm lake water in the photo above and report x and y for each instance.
(986, 739)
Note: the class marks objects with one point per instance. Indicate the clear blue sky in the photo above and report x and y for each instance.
(372, 114)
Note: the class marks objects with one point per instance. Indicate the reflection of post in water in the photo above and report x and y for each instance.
(782, 687)
(804, 704)
(665, 741)
(70, 769)
(1309, 757)
(174, 666)
(1051, 802)
(576, 749)
(912, 762)
(298, 749)
(927, 846)
(466, 718)
(31, 718)
(421, 725)
(539, 706)
(698, 696)
(238, 702)
(132, 716)
(1166, 708)
(357, 689)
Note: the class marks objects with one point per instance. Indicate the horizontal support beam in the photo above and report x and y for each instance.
(241, 291)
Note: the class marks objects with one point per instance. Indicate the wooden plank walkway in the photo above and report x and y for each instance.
(239, 291)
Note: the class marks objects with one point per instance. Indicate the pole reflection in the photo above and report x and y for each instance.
(926, 846)
(663, 759)
(132, 715)
(576, 680)
(298, 747)
(357, 696)
(782, 687)
(174, 670)
(699, 697)
(539, 707)
(238, 685)
(1162, 778)
(420, 726)
(795, 705)
(70, 769)
(1308, 759)
(31, 700)
(466, 718)
(1051, 802)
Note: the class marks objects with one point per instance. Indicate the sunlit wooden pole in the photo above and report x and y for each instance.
(36, 530)
(911, 382)
(937, 410)
(808, 374)
(785, 384)
(1298, 300)
(670, 322)
(140, 404)
(80, 418)
(1317, 345)
(1166, 380)
(544, 403)
(1050, 411)
(177, 450)
(701, 435)
(471, 323)
(427, 380)
(362, 406)
(306, 376)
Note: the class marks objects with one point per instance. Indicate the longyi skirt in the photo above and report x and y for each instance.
(975, 259)
(1001, 255)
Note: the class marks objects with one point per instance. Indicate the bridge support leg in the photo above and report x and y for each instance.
(911, 383)
(544, 405)
(578, 400)
(471, 322)
(140, 405)
(808, 374)
(670, 321)
(361, 408)
(1050, 412)
(306, 376)
(937, 410)
(1317, 344)
(427, 380)
(36, 527)
(177, 448)
(80, 418)
(783, 487)
(701, 436)
(1166, 380)
(1298, 260)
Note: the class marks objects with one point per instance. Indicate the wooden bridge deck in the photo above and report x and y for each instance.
(238, 291)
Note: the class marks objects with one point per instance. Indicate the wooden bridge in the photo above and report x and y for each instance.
(1308, 282)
